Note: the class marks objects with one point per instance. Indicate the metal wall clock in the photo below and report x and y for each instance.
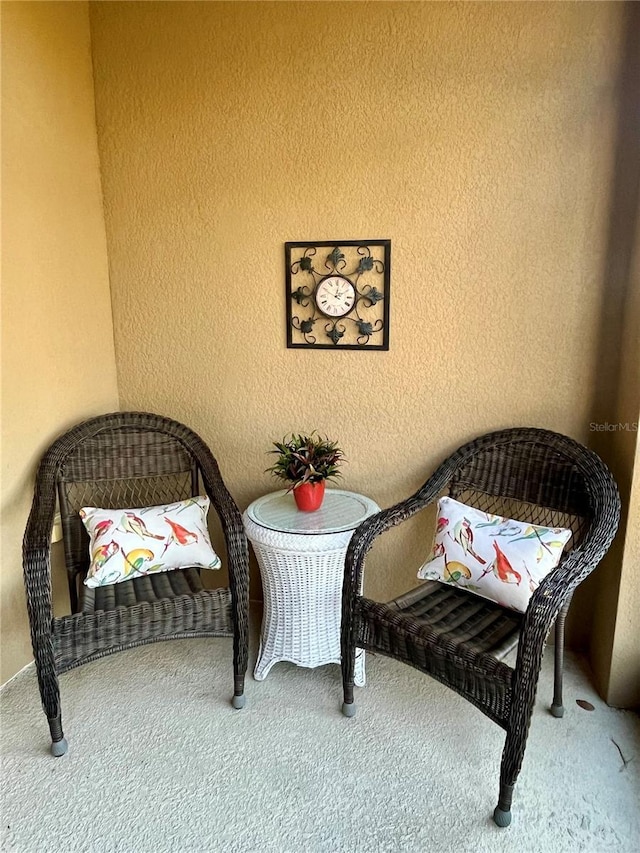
(337, 294)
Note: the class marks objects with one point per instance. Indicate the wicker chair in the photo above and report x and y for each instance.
(461, 639)
(122, 460)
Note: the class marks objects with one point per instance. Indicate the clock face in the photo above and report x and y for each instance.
(335, 296)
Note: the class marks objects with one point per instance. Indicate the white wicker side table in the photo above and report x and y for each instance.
(301, 558)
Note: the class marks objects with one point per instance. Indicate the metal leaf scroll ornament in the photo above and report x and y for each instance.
(301, 296)
(373, 296)
(367, 329)
(364, 328)
(305, 263)
(336, 258)
(306, 327)
(365, 264)
(335, 334)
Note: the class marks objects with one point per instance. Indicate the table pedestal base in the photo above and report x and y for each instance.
(302, 603)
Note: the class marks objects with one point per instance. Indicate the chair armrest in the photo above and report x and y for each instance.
(36, 559)
(544, 606)
(232, 526)
(558, 586)
(365, 534)
(548, 599)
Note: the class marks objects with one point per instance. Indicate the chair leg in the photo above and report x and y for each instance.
(557, 709)
(348, 652)
(58, 742)
(348, 705)
(502, 812)
(348, 678)
(240, 643)
(50, 696)
(239, 699)
(512, 756)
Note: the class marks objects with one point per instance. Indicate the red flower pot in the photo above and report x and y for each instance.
(309, 496)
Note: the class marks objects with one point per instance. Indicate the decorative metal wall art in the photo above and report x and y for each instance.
(337, 294)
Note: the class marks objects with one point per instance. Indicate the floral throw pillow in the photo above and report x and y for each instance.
(127, 543)
(495, 557)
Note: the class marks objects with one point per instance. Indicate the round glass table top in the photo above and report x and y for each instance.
(340, 511)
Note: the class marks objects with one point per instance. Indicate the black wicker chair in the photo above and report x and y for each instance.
(461, 639)
(121, 460)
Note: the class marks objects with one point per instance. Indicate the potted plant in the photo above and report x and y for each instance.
(306, 462)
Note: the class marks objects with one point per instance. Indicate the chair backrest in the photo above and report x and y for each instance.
(120, 460)
(538, 476)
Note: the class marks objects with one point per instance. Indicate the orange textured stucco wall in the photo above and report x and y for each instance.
(58, 362)
(477, 137)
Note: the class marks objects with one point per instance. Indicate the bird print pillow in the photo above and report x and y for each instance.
(128, 543)
(495, 557)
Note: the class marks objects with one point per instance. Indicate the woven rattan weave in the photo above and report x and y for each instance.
(121, 460)
(460, 639)
(301, 559)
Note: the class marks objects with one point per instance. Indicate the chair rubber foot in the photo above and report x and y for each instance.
(59, 747)
(500, 817)
(557, 710)
(239, 701)
(349, 709)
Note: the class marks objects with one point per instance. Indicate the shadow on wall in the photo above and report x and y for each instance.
(616, 393)
(618, 268)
